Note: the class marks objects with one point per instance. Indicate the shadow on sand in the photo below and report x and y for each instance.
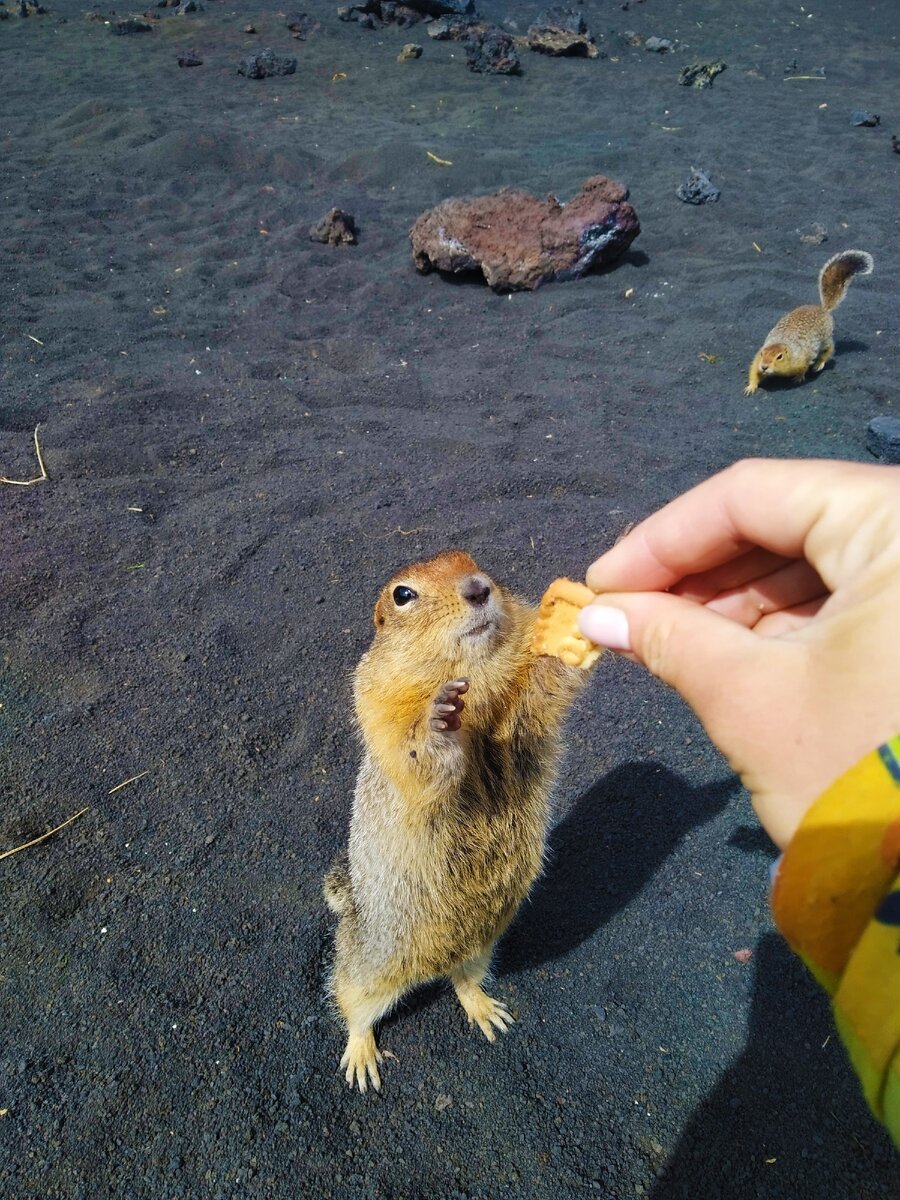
(602, 853)
(789, 1107)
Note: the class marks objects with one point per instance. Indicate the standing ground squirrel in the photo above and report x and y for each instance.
(802, 341)
(460, 720)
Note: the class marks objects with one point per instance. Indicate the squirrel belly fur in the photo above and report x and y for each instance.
(460, 722)
(802, 340)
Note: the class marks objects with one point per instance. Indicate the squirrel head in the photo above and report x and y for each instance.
(775, 360)
(445, 608)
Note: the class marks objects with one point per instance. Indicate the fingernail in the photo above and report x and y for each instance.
(605, 626)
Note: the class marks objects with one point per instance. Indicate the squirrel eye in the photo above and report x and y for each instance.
(402, 595)
(779, 357)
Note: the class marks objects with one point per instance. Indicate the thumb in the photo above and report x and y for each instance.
(700, 653)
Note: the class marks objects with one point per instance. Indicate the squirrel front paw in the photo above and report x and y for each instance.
(447, 706)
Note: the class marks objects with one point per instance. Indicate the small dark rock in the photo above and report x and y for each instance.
(659, 45)
(860, 116)
(131, 25)
(249, 29)
(630, 38)
(895, 143)
(491, 52)
(301, 25)
(698, 188)
(188, 6)
(369, 12)
(266, 63)
(701, 75)
(337, 228)
(409, 51)
(449, 29)
(189, 59)
(883, 438)
(816, 236)
(562, 31)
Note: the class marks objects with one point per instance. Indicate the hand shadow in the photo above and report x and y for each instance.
(602, 853)
(787, 1119)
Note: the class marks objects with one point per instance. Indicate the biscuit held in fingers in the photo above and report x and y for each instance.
(556, 631)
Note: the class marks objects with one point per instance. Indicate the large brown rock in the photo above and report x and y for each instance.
(518, 241)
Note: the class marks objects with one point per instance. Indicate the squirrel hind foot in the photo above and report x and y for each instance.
(485, 1012)
(360, 1060)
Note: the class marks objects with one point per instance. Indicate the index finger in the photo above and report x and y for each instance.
(771, 503)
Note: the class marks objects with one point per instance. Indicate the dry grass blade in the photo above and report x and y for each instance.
(44, 836)
(38, 478)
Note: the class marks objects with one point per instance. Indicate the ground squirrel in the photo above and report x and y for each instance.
(460, 722)
(801, 341)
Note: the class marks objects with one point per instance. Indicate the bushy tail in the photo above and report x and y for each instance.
(837, 273)
(336, 886)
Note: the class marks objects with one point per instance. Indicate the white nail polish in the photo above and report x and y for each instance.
(605, 626)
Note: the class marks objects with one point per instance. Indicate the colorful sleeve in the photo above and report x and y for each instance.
(836, 898)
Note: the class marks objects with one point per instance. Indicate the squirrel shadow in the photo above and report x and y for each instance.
(849, 346)
(788, 1112)
(601, 854)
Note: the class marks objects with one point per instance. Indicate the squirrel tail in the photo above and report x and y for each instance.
(337, 887)
(837, 273)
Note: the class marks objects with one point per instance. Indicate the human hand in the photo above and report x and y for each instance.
(769, 597)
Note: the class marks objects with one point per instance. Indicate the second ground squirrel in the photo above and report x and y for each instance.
(802, 339)
(460, 721)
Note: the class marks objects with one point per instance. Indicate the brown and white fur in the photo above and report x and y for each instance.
(460, 723)
(802, 340)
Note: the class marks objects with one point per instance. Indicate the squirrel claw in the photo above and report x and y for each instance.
(360, 1062)
(488, 1014)
(448, 706)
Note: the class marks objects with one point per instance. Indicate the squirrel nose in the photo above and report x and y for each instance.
(476, 591)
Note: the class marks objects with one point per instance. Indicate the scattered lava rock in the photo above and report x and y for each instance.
(492, 52)
(518, 241)
(190, 59)
(701, 75)
(266, 63)
(860, 116)
(369, 12)
(131, 25)
(337, 228)
(409, 51)
(301, 25)
(659, 45)
(698, 188)
(562, 31)
(883, 438)
(249, 29)
(895, 143)
(816, 236)
(449, 29)
(188, 6)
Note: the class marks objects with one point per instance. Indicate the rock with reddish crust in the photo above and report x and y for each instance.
(562, 31)
(519, 241)
(337, 228)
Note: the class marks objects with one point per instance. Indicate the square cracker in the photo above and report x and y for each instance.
(556, 628)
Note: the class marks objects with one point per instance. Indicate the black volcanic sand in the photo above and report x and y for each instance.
(246, 433)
